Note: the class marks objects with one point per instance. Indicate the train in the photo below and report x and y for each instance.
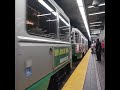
(43, 45)
(79, 44)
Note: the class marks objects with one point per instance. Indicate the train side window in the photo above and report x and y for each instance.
(72, 37)
(82, 41)
(41, 18)
(77, 37)
(63, 28)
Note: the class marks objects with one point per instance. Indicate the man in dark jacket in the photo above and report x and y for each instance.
(98, 50)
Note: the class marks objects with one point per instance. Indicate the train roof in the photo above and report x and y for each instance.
(78, 31)
(59, 9)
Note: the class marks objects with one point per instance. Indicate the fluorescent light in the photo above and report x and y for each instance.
(80, 3)
(54, 13)
(51, 20)
(63, 20)
(65, 29)
(96, 29)
(84, 19)
(90, 6)
(81, 8)
(95, 33)
(98, 5)
(48, 7)
(63, 26)
(44, 14)
(94, 25)
(102, 4)
(51, 10)
(95, 22)
(44, 4)
(97, 13)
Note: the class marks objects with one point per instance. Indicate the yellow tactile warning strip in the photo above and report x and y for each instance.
(76, 80)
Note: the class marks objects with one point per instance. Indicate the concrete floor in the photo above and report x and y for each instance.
(95, 75)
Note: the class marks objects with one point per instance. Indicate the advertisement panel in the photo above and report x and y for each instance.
(61, 54)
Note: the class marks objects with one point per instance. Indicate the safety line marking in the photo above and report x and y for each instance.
(97, 77)
(76, 80)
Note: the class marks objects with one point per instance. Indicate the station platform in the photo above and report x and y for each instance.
(88, 75)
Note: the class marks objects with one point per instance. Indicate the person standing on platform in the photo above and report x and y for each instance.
(98, 50)
(103, 46)
(92, 48)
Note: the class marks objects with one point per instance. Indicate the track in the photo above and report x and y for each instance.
(74, 65)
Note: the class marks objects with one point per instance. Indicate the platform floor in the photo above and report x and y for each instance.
(88, 75)
(95, 76)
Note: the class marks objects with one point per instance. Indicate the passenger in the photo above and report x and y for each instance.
(92, 48)
(98, 50)
(103, 46)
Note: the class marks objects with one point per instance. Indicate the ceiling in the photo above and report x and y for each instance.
(95, 18)
(70, 7)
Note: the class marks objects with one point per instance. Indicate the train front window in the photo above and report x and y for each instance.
(41, 18)
(63, 28)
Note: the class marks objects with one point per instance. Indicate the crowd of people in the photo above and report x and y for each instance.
(98, 48)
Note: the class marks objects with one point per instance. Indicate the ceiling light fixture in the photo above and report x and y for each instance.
(96, 13)
(95, 22)
(94, 25)
(102, 4)
(96, 29)
(82, 11)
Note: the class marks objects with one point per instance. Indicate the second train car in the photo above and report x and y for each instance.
(79, 44)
